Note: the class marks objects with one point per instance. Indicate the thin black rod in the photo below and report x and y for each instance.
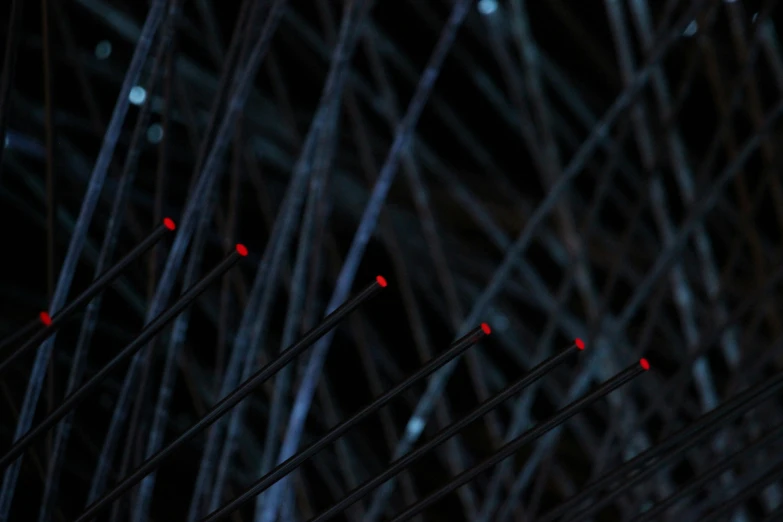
(752, 489)
(446, 433)
(287, 466)
(688, 436)
(232, 399)
(715, 471)
(96, 287)
(25, 331)
(154, 327)
(527, 437)
(637, 478)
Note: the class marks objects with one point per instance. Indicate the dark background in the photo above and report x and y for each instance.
(490, 159)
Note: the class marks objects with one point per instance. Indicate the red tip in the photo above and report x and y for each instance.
(46, 319)
(381, 281)
(579, 343)
(169, 223)
(646, 365)
(486, 328)
(242, 249)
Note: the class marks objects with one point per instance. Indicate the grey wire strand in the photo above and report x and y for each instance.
(367, 224)
(241, 88)
(111, 137)
(437, 383)
(89, 323)
(179, 329)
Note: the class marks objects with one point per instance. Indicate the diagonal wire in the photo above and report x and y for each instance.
(438, 381)
(359, 243)
(241, 86)
(90, 319)
(154, 19)
(261, 292)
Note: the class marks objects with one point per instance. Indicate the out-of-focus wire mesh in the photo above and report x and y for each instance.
(608, 170)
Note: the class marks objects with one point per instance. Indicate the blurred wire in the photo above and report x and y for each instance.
(568, 170)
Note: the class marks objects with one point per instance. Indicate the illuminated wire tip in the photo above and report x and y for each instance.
(381, 281)
(485, 327)
(644, 364)
(169, 223)
(46, 319)
(241, 250)
(579, 343)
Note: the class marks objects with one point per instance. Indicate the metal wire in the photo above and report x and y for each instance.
(608, 171)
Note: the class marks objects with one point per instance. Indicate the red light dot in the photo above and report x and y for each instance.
(486, 328)
(381, 281)
(579, 343)
(241, 249)
(169, 223)
(644, 364)
(46, 319)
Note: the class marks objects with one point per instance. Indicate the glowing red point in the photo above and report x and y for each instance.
(646, 365)
(486, 328)
(241, 249)
(169, 223)
(381, 281)
(579, 343)
(46, 319)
